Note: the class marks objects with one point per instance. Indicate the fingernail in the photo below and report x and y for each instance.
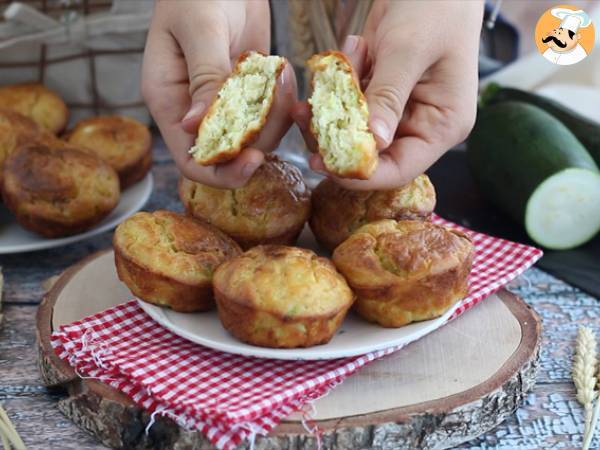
(195, 110)
(381, 130)
(350, 44)
(249, 169)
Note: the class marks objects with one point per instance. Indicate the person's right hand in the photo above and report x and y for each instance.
(191, 48)
(417, 62)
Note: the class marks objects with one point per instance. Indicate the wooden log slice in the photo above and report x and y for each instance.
(447, 388)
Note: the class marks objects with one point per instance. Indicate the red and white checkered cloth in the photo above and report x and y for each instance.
(228, 397)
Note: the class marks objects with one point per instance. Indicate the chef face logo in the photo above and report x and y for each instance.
(561, 40)
(564, 35)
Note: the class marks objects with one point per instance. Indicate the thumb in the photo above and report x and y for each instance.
(388, 92)
(208, 64)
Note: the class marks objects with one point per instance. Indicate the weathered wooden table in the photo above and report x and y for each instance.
(550, 419)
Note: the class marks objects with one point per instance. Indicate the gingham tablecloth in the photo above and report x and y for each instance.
(228, 397)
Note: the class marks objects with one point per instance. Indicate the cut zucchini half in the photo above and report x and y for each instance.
(564, 210)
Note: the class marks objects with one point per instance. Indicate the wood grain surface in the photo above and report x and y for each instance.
(445, 389)
(549, 419)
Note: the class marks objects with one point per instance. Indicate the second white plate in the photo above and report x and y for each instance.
(16, 239)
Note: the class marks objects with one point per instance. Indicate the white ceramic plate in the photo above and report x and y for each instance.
(15, 239)
(355, 336)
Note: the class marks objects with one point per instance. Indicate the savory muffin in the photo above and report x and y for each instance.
(239, 110)
(124, 143)
(168, 259)
(407, 271)
(58, 191)
(337, 212)
(270, 209)
(340, 117)
(37, 102)
(278, 296)
(15, 130)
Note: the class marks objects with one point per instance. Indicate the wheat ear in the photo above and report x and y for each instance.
(584, 371)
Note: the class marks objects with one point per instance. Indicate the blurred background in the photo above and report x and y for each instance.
(90, 52)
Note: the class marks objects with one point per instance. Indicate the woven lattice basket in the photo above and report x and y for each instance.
(318, 25)
(89, 51)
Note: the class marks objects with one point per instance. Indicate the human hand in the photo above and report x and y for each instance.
(418, 63)
(190, 50)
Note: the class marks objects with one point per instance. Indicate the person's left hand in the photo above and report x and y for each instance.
(419, 67)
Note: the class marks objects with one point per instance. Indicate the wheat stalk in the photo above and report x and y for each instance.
(585, 365)
(584, 371)
(8, 433)
(587, 438)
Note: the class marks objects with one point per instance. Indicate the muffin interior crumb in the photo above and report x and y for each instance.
(242, 102)
(340, 115)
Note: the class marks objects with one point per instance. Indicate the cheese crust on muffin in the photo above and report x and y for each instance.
(124, 143)
(337, 212)
(271, 208)
(168, 259)
(340, 117)
(281, 297)
(58, 191)
(36, 101)
(405, 271)
(239, 110)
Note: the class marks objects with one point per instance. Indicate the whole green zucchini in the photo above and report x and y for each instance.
(584, 129)
(532, 167)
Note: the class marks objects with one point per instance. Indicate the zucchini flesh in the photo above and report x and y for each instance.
(513, 150)
(564, 211)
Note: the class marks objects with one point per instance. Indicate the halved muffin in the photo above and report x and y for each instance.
(337, 212)
(240, 109)
(36, 101)
(271, 208)
(340, 117)
(168, 259)
(124, 143)
(58, 191)
(405, 271)
(283, 297)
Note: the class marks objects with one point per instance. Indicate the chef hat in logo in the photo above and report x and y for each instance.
(571, 20)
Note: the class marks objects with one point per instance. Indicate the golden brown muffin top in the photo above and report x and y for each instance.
(342, 211)
(274, 199)
(287, 281)
(18, 121)
(120, 141)
(59, 184)
(37, 102)
(15, 130)
(379, 253)
(174, 245)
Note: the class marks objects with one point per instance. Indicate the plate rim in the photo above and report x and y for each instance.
(157, 313)
(45, 244)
